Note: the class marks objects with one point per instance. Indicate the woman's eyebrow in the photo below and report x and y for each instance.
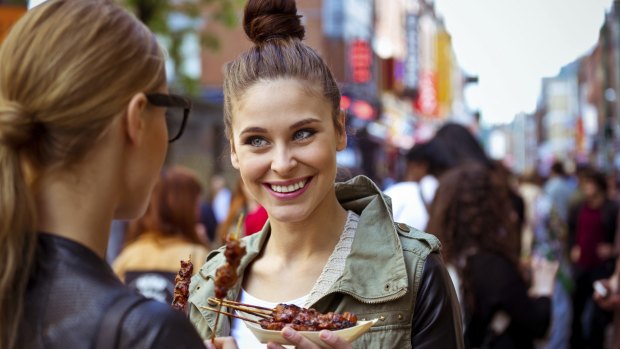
(256, 129)
(253, 129)
(304, 122)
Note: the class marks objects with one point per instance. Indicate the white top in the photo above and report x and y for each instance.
(407, 204)
(221, 204)
(332, 270)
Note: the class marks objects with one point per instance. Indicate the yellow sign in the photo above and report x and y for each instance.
(444, 72)
(8, 16)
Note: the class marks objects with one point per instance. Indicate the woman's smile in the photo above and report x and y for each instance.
(289, 189)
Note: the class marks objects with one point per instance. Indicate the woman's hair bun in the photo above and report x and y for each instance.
(270, 19)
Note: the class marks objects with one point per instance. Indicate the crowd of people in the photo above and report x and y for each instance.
(458, 254)
(522, 248)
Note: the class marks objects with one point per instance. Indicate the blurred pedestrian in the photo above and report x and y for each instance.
(460, 146)
(329, 246)
(164, 235)
(530, 190)
(471, 217)
(411, 198)
(609, 300)
(83, 136)
(592, 229)
(242, 205)
(551, 241)
(222, 197)
(208, 221)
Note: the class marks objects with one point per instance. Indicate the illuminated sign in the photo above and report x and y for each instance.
(426, 102)
(411, 65)
(360, 61)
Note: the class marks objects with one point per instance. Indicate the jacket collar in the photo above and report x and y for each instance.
(376, 249)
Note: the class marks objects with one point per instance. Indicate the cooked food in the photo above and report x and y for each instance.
(226, 275)
(302, 319)
(288, 315)
(181, 287)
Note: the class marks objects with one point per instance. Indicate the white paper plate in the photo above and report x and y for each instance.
(349, 334)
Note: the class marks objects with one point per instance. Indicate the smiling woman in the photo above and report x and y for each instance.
(330, 246)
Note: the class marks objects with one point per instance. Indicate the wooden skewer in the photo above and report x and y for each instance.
(230, 314)
(217, 319)
(228, 303)
(248, 310)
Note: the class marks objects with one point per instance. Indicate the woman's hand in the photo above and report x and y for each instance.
(543, 276)
(575, 254)
(222, 343)
(612, 299)
(301, 342)
(604, 251)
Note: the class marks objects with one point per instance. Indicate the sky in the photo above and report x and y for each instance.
(512, 44)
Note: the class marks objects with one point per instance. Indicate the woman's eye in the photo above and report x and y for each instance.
(256, 142)
(303, 134)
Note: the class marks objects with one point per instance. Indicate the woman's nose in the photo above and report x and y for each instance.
(283, 160)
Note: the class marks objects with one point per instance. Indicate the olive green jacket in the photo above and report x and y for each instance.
(381, 279)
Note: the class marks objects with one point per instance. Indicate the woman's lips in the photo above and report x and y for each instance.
(289, 189)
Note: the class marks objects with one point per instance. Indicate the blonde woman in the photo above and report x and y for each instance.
(83, 136)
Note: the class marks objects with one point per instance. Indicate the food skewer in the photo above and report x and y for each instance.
(230, 314)
(181, 285)
(284, 315)
(226, 275)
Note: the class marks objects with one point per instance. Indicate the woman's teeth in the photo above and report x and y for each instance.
(288, 188)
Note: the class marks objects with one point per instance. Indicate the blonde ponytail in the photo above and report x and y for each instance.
(17, 243)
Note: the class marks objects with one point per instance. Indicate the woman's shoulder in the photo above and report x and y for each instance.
(153, 324)
(416, 240)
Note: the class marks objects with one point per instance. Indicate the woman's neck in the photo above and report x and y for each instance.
(75, 211)
(79, 203)
(312, 238)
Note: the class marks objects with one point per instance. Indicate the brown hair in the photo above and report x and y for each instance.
(276, 30)
(69, 68)
(238, 205)
(471, 213)
(173, 209)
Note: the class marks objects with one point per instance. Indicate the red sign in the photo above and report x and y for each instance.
(360, 58)
(426, 103)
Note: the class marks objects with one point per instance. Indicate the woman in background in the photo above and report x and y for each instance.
(242, 204)
(162, 237)
(470, 215)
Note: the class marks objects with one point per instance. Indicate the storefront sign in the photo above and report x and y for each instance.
(8, 16)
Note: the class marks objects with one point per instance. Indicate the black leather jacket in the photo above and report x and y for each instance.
(68, 294)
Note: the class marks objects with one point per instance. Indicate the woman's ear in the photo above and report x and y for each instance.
(134, 117)
(234, 159)
(342, 132)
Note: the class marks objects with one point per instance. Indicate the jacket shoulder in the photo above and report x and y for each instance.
(417, 241)
(153, 324)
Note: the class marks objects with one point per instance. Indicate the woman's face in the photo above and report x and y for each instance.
(284, 145)
(146, 166)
